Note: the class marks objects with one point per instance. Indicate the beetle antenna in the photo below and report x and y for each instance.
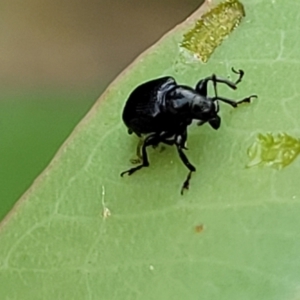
(240, 72)
(214, 80)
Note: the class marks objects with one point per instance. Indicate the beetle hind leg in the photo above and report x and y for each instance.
(150, 140)
(132, 170)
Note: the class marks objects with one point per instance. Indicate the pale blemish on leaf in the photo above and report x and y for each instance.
(276, 151)
(105, 211)
(213, 27)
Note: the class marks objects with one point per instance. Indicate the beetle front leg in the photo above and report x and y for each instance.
(186, 162)
(180, 141)
(149, 141)
(232, 102)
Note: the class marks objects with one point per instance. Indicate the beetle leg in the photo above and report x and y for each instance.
(186, 162)
(149, 141)
(232, 102)
(186, 183)
(178, 139)
(180, 142)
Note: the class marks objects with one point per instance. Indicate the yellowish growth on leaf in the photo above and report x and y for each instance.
(213, 27)
(199, 228)
(276, 151)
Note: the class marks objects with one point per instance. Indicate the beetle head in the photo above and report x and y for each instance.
(215, 122)
(206, 110)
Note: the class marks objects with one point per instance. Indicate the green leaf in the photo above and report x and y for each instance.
(83, 232)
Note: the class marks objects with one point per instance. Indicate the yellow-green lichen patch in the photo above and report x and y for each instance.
(213, 27)
(276, 151)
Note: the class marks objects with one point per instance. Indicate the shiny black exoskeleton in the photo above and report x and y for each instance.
(162, 110)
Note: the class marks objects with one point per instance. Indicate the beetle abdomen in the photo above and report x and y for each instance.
(143, 107)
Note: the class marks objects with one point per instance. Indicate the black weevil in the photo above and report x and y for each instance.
(162, 110)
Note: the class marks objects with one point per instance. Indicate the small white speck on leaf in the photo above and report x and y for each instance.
(105, 211)
(151, 268)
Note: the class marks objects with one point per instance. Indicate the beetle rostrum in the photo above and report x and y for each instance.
(160, 110)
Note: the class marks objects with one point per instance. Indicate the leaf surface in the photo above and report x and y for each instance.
(83, 232)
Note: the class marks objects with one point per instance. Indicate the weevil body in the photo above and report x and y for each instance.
(162, 110)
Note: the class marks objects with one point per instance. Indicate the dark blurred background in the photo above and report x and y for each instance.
(56, 58)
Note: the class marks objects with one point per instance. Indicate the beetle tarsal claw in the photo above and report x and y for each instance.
(129, 172)
(246, 100)
(186, 183)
